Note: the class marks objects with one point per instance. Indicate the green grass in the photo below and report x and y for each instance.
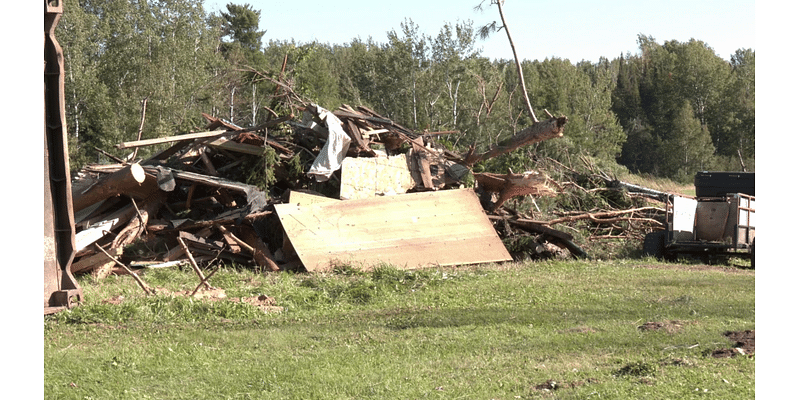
(478, 332)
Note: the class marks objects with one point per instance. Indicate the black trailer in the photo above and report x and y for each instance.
(719, 222)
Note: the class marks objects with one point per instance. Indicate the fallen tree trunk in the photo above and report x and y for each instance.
(511, 185)
(538, 132)
(129, 180)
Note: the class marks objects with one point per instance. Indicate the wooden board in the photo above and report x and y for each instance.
(365, 177)
(408, 231)
(305, 199)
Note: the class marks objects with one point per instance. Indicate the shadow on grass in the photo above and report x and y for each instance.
(453, 318)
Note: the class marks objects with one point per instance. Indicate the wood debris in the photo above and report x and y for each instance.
(213, 195)
(246, 195)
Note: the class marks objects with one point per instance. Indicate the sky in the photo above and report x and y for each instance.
(573, 30)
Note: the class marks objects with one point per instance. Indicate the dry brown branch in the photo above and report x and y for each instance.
(600, 216)
(147, 289)
(194, 263)
(204, 281)
(538, 132)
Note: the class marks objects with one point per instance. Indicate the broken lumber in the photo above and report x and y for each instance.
(170, 139)
(97, 230)
(94, 261)
(261, 253)
(195, 267)
(138, 222)
(364, 177)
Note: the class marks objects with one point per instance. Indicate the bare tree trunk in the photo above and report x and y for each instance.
(516, 59)
(233, 90)
(254, 109)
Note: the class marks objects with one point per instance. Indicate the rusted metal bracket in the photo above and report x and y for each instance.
(61, 291)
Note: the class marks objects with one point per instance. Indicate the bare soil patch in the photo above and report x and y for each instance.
(265, 303)
(668, 326)
(551, 384)
(744, 344)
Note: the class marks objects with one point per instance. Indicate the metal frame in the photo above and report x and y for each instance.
(742, 239)
(61, 291)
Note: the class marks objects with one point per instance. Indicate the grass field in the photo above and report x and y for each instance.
(566, 330)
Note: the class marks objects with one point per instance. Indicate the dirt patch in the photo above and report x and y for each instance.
(551, 384)
(667, 326)
(209, 294)
(744, 344)
(265, 303)
(116, 300)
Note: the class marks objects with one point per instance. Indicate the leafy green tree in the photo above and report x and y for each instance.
(86, 96)
(240, 44)
(120, 52)
(653, 88)
(688, 148)
(583, 94)
(451, 51)
(739, 133)
(240, 26)
(637, 150)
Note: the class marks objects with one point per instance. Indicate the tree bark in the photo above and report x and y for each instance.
(130, 180)
(512, 185)
(538, 132)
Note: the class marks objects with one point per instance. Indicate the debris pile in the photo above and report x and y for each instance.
(343, 186)
(216, 195)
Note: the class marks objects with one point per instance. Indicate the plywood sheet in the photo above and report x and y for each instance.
(408, 231)
(304, 199)
(365, 177)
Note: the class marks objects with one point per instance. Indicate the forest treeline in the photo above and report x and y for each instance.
(669, 110)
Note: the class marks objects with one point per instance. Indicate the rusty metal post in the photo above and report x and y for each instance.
(60, 288)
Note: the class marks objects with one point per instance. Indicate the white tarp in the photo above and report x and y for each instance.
(333, 152)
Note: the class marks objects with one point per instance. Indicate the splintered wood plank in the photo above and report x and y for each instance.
(177, 138)
(408, 231)
(226, 144)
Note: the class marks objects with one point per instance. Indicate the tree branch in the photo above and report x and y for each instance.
(538, 132)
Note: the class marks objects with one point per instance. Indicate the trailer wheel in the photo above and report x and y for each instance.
(654, 244)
